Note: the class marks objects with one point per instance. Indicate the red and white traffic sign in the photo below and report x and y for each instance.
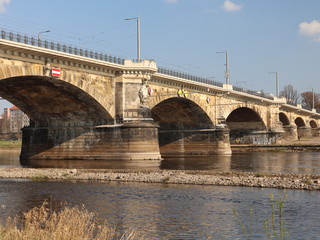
(150, 91)
(55, 72)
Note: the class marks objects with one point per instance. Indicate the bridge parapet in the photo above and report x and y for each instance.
(61, 47)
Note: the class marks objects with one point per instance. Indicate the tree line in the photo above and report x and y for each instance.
(308, 99)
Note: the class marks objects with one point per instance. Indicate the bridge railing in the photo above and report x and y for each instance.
(255, 93)
(188, 77)
(210, 82)
(61, 47)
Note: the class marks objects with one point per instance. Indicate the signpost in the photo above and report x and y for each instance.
(55, 72)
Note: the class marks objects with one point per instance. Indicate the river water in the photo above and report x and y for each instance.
(162, 211)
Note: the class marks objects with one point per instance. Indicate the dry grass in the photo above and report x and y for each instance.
(40, 223)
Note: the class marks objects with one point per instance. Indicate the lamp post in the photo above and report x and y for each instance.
(227, 73)
(277, 83)
(312, 92)
(42, 32)
(312, 99)
(138, 35)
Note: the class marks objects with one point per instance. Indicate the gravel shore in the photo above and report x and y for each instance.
(218, 178)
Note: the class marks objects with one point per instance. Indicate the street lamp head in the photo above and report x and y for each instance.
(131, 18)
(45, 31)
(42, 32)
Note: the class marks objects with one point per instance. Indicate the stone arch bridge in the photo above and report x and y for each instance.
(100, 107)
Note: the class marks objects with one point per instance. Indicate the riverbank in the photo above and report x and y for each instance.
(10, 145)
(218, 178)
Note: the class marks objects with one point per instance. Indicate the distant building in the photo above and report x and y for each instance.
(4, 121)
(12, 120)
(17, 119)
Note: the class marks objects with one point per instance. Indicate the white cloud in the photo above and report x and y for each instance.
(310, 29)
(230, 6)
(2, 3)
(171, 1)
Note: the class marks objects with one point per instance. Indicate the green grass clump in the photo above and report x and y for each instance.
(40, 178)
(10, 144)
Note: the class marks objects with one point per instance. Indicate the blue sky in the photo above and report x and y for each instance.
(260, 36)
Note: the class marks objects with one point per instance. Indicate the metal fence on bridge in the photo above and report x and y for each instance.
(31, 40)
(188, 77)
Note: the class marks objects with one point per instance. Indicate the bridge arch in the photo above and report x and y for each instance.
(245, 118)
(53, 102)
(299, 122)
(180, 113)
(96, 86)
(185, 128)
(283, 118)
(313, 124)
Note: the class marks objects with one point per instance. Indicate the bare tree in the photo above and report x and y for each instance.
(310, 99)
(290, 94)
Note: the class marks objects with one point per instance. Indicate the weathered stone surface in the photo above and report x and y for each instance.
(66, 112)
(95, 143)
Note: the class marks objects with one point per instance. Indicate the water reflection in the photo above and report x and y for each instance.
(213, 162)
(9, 158)
(276, 162)
(94, 164)
(170, 211)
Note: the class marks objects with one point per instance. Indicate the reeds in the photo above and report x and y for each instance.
(274, 224)
(69, 223)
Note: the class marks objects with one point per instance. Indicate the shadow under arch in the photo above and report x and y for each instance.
(186, 129)
(247, 127)
(180, 113)
(283, 118)
(244, 118)
(313, 124)
(299, 122)
(52, 102)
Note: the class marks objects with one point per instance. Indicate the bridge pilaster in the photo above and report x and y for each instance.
(132, 92)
